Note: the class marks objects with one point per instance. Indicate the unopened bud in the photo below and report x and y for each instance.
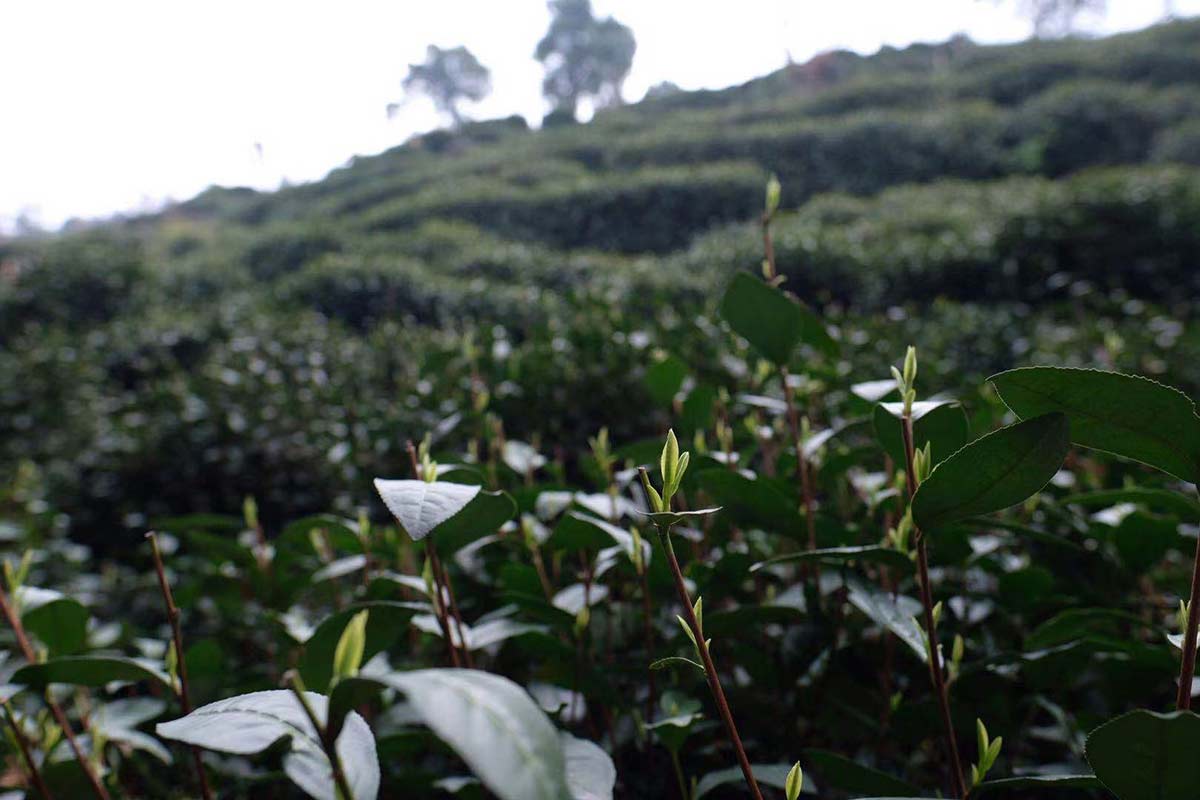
(774, 190)
(910, 367)
(794, 782)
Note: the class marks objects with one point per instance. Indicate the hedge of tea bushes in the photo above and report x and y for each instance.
(1018, 239)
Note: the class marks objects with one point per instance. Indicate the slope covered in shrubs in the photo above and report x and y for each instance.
(1033, 179)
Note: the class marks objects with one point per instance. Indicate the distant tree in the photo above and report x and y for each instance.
(584, 57)
(1057, 17)
(448, 77)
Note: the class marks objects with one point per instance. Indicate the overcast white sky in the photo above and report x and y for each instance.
(117, 105)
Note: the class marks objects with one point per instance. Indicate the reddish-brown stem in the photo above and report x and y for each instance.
(185, 697)
(439, 607)
(35, 775)
(710, 670)
(1187, 666)
(463, 644)
(802, 470)
(936, 674)
(56, 711)
(435, 567)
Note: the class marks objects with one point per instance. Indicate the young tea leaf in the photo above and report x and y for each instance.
(348, 655)
(773, 775)
(386, 622)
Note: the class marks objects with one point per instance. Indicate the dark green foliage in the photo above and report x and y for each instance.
(1019, 239)
(77, 280)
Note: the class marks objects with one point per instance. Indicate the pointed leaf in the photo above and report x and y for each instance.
(996, 471)
(90, 671)
(771, 320)
(348, 655)
(250, 723)
(675, 517)
(673, 661)
(420, 507)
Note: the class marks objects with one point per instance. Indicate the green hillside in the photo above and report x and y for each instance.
(1027, 185)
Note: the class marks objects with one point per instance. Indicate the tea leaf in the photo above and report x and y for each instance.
(590, 772)
(1126, 415)
(849, 776)
(250, 723)
(893, 613)
(90, 671)
(59, 622)
(772, 321)
(1143, 755)
(1045, 783)
(420, 506)
(874, 554)
(994, 472)
(492, 723)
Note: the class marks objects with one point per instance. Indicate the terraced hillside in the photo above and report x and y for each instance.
(998, 202)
